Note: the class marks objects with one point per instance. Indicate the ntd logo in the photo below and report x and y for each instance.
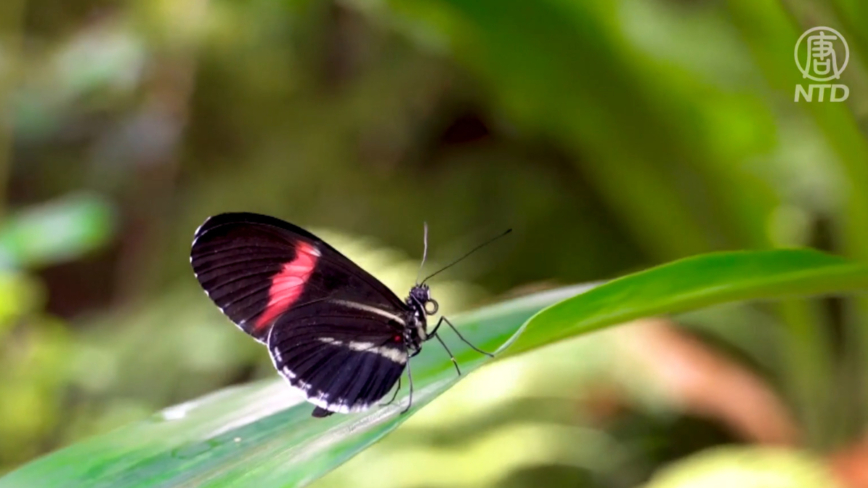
(821, 55)
(837, 93)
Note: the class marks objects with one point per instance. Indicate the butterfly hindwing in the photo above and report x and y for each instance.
(339, 354)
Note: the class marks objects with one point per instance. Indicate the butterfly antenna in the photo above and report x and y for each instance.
(424, 252)
(468, 254)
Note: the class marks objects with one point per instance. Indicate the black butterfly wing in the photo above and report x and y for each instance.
(316, 309)
(337, 354)
(255, 267)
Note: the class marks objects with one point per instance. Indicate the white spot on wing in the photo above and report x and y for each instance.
(200, 227)
(320, 398)
(368, 308)
(389, 353)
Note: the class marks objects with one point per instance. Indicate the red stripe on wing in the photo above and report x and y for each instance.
(288, 284)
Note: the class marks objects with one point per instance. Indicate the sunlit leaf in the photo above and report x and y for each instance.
(694, 283)
(262, 434)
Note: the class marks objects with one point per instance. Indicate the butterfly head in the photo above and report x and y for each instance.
(421, 305)
(420, 298)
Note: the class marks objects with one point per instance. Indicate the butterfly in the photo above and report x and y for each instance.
(336, 333)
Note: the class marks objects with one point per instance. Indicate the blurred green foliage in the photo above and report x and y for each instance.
(610, 135)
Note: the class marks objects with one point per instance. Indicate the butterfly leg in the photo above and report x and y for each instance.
(394, 395)
(454, 362)
(410, 397)
(444, 319)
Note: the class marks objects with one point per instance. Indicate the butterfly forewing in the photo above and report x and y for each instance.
(239, 262)
(333, 330)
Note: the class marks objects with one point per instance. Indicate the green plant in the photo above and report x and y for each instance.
(258, 435)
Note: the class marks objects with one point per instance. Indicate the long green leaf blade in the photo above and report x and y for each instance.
(693, 283)
(261, 435)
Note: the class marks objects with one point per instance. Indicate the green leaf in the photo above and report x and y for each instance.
(693, 283)
(261, 435)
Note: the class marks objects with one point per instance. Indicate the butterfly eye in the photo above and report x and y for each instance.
(431, 307)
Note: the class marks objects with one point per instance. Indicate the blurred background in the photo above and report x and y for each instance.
(611, 135)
